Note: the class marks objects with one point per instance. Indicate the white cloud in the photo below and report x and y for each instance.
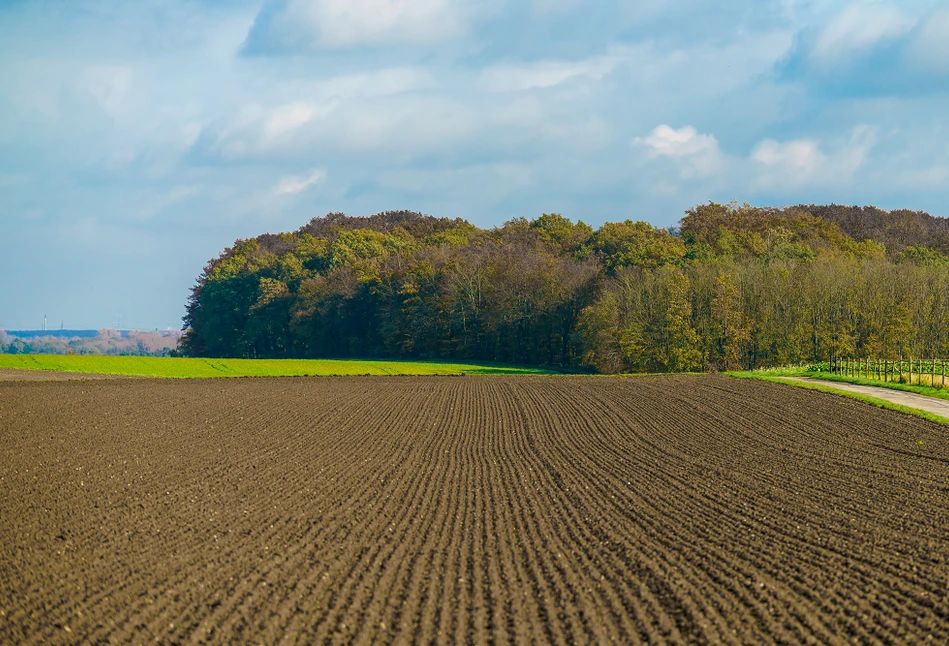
(372, 83)
(799, 155)
(405, 127)
(292, 185)
(547, 8)
(934, 177)
(683, 142)
(508, 78)
(287, 118)
(181, 192)
(699, 154)
(495, 180)
(773, 166)
(800, 162)
(857, 28)
(931, 46)
(665, 189)
(855, 152)
(330, 24)
(256, 129)
(305, 112)
(109, 85)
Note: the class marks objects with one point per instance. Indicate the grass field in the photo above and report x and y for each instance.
(182, 368)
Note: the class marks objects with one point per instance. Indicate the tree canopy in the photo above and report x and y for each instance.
(733, 286)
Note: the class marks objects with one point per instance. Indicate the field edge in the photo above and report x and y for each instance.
(201, 368)
(873, 401)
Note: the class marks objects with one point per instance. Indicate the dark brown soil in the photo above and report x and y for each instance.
(468, 510)
(15, 374)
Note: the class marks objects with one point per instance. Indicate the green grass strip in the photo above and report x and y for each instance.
(929, 391)
(780, 371)
(874, 401)
(184, 368)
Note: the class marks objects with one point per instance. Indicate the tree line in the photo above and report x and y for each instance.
(733, 286)
(107, 341)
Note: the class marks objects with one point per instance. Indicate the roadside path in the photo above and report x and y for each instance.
(921, 402)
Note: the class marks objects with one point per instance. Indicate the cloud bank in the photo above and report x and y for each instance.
(137, 140)
(313, 25)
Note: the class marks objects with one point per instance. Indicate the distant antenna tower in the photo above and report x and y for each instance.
(62, 324)
(44, 322)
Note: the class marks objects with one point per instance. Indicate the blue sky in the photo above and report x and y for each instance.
(138, 139)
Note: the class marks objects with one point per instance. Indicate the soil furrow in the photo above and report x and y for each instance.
(467, 510)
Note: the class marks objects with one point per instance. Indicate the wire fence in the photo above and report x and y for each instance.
(922, 372)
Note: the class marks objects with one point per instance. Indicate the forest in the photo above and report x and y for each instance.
(733, 286)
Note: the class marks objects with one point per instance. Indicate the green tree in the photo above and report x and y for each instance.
(732, 330)
(637, 244)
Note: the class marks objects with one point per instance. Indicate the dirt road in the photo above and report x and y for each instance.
(912, 400)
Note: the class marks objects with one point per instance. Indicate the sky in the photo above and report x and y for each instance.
(139, 139)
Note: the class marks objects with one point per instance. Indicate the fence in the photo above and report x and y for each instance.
(924, 372)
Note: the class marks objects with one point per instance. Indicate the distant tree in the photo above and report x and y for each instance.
(920, 255)
(568, 237)
(730, 325)
(637, 244)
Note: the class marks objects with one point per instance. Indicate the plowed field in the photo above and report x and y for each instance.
(452, 510)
